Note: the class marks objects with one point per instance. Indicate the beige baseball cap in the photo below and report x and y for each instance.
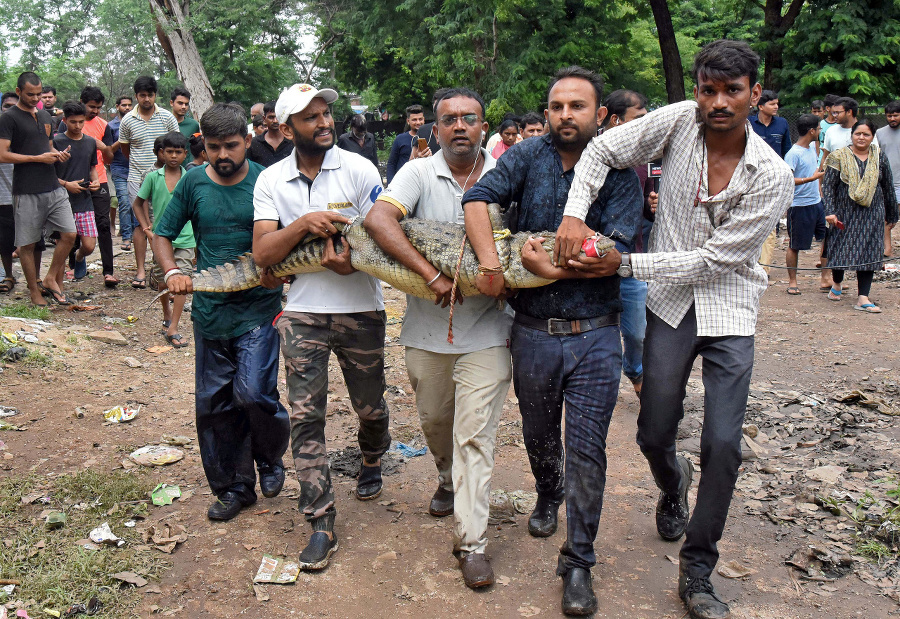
(298, 97)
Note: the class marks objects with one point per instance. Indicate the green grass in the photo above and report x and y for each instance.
(64, 573)
(873, 549)
(25, 310)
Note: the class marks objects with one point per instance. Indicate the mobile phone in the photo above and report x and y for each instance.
(839, 225)
(423, 144)
(85, 184)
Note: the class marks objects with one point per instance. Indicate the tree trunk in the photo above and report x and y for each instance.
(176, 39)
(668, 46)
(775, 26)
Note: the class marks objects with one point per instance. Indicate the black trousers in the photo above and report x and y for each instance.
(669, 354)
(102, 204)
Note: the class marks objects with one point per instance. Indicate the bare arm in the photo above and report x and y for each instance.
(271, 245)
(126, 149)
(7, 156)
(143, 215)
(383, 225)
(481, 237)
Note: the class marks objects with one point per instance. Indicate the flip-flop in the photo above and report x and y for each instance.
(125, 246)
(110, 281)
(793, 290)
(834, 295)
(824, 289)
(139, 282)
(176, 340)
(7, 284)
(53, 295)
(868, 308)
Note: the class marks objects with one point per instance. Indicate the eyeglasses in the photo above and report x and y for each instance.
(469, 119)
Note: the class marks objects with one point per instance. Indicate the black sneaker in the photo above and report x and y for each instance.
(701, 599)
(672, 510)
(226, 507)
(317, 552)
(271, 480)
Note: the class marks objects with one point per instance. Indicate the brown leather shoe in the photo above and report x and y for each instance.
(476, 570)
(441, 503)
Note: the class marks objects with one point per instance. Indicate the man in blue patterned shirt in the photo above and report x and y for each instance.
(565, 341)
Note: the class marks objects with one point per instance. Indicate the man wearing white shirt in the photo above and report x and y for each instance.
(339, 310)
(461, 386)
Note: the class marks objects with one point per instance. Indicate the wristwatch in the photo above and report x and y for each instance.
(625, 269)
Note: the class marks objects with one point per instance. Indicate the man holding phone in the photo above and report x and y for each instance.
(38, 199)
(403, 144)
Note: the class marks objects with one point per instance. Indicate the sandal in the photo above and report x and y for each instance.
(824, 289)
(7, 283)
(126, 246)
(54, 295)
(139, 282)
(176, 340)
(793, 290)
(834, 295)
(110, 280)
(869, 308)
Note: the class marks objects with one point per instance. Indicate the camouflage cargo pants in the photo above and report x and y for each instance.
(306, 343)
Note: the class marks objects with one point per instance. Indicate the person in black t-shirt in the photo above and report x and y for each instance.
(270, 147)
(78, 176)
(39, 200)
(359, 141)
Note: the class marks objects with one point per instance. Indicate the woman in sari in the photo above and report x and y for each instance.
(859, 199)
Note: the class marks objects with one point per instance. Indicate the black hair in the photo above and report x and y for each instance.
(174, 139)
(414, 109)
(146, 83)
(849, 104)
(817, 104)
(197, 145)
(258, 121)
(28, 78)
(158, 144)
(868, 122)
(8, 95)
(358, 122)
(893, 107)
(831, 100)
(47, 89)
(506, 124)
(467, 93)
(73, 108)
(119, 100)
(223, 120)
(806, 122)
(575, 71)
(180, 92)
(437, 96)
(92, 93)
(724, 59)
(766, 96)
(268, 108)
(618, 101)
(531, 118)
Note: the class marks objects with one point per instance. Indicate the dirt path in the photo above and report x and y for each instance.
(394, 558)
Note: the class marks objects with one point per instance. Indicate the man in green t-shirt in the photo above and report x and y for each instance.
(239, 417)
(180, 103)
(157, 189)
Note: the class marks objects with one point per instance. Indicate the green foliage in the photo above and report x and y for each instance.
(496, 110)
(844, 48)
(25, 310)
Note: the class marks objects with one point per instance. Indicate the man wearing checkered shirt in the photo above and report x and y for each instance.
(723, 189)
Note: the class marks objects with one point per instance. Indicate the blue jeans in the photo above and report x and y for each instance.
(127, 221)
(634, 323)
(239, 417)
(583, 372)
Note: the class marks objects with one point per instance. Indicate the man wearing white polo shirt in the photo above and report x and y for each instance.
(339, 310)
(460, 387)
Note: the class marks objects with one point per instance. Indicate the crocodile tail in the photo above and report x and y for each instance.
(240, 274)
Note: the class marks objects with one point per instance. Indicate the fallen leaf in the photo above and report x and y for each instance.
(261, 595)
(131, 578)
(734, 569)
(250, 546)
(672, 559)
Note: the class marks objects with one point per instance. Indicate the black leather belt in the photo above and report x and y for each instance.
(557, 326)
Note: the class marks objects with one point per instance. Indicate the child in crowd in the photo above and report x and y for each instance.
(79, 177)
(140, 253)
(157, 189)
(198, 151)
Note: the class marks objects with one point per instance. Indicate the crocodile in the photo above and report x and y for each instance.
(443, 244)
